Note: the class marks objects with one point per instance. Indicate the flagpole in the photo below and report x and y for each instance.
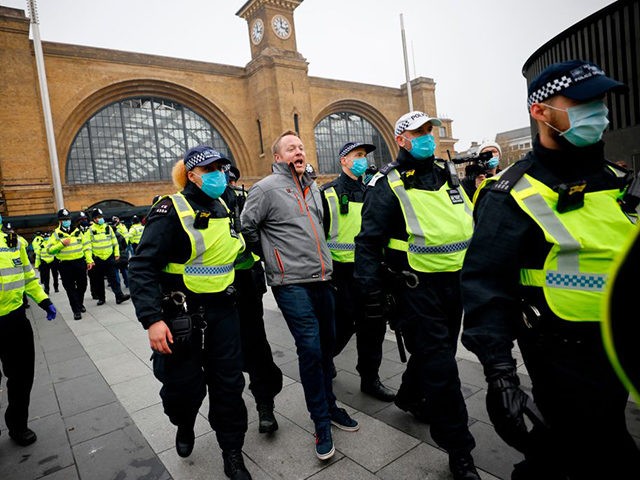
(406, 64)
(46, 106)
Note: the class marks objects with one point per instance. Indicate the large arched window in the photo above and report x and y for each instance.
(138, 140)
(336, 129)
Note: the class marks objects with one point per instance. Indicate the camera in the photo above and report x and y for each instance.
(480, 159)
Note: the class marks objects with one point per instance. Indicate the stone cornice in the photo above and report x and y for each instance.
(63, 50)
(252, 5)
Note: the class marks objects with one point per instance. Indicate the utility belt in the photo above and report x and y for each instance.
(548, 330)
(186, 323)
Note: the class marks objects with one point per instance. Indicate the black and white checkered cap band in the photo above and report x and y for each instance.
(409, 121)
(347, 149)
(549, 89)
(201, 157)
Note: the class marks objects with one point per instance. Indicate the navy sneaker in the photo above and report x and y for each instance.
(341, 419)
(324, 442)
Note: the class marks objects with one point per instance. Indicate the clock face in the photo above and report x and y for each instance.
(257, 31)
(281, 26)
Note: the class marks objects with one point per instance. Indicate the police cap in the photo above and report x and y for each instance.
(95, 213)
(63, 214)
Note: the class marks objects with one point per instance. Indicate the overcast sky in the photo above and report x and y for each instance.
(473, 49)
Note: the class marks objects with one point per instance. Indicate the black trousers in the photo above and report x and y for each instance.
(74, 281)
(582, 400)
(186, 376)
(48, 270)
(265, 378)
(431, 317)
(17, 356)
(102, 269)
(350, 319)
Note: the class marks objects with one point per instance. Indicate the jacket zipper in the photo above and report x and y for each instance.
(296, 180)
(280, 264)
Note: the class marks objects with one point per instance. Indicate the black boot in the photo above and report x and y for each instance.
(267, 422)
(234, 465)
(185, 438)
(376, 389)
(462, 467)
(416, 406)
(123, 298)
(23, 437)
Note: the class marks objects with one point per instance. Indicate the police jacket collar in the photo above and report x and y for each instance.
(569, 163)
(407, 162)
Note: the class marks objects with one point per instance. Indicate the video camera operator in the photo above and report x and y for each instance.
(485, 163)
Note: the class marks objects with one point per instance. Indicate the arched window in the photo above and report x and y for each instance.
(336, 129)
(138, 140)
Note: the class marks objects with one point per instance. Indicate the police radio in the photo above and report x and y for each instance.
(344, 204)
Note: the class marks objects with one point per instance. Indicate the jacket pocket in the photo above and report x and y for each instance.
(279, 262)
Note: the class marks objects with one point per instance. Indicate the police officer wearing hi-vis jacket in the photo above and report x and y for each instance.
(17, 354)
(547, 232)
(69, 247)
(181, 285)
(416, 225)
(106, 252)
(342, 204)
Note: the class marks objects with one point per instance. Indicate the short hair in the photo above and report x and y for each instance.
(276, 145)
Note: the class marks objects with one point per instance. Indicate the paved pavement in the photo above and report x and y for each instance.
(96, 409)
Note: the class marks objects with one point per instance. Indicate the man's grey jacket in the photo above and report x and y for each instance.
(284, 215)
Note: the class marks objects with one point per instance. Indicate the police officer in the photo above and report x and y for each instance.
(135, 233)
(417, 221)
(74, 255)
(342, 203)
(264, 375)
(546, 233)
(46, 265)
(620, 332)
(106, 252)
(83, 222)
(189, 245)
(17, 353)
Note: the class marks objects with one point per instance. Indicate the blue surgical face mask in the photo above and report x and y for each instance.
(587, 123)
(213, 183)
(0, 219)
(101, 221)
(493, 163)
(359, 166)
(66, 223)
(422, 147)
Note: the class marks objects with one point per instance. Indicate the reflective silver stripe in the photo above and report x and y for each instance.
(568, 258)
(15, 285)
(27, 269)
(98, 246)
(183, 208)
(341, 246)
(68, 250)
(208, 271)
(11, 271)
(332, 200)
(28, 280)
(412, 218)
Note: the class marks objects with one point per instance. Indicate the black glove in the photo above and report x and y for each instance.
(375, 307)
(506, 405)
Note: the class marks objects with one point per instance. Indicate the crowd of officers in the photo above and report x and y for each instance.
(524, 253)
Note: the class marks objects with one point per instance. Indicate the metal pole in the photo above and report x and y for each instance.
(406, 64)
(46, 107)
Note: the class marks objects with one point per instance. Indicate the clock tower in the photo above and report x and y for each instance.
(270, 24)
(278, 77)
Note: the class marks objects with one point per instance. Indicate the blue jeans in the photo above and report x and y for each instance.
(308, 309)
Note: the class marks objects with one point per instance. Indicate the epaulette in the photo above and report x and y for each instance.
(162, 206)
(510, 175)
(382, 173)
(328, 185)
